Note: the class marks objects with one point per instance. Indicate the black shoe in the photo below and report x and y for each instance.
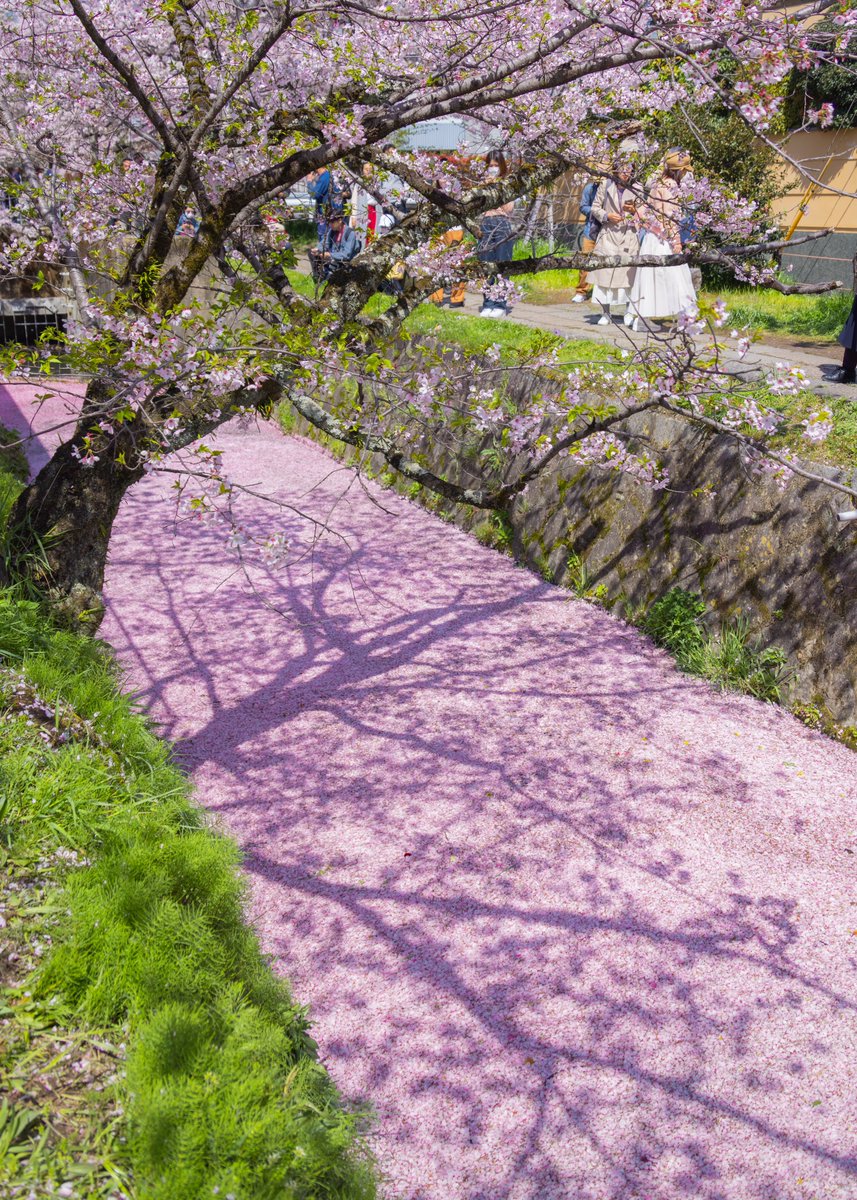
(843, 376)
(456, 304)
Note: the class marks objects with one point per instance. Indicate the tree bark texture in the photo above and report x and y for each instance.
(59, 531)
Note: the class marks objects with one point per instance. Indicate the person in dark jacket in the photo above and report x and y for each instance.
(591, 230)
(847, 373)
(496, 243)
(320, 188)
(337, 244)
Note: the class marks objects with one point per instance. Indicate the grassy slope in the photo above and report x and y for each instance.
(477, 334)
(516, 342)
(146, 1048)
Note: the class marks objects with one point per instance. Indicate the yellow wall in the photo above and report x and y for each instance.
(831, 156)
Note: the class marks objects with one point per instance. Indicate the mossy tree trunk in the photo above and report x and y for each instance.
(59, 531)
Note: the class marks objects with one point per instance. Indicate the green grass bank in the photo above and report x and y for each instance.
(147, 1050)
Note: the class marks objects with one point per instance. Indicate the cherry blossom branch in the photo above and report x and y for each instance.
(397, 458)
(759, 447)
(125, 73)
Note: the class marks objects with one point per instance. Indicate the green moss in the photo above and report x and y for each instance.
(818, 716)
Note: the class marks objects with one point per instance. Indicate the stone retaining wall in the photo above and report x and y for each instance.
(778, 558)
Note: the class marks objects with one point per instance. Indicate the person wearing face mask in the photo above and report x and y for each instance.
(663, 291)
(615, 207)
(496, 240)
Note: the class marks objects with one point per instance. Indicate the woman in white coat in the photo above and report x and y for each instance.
(614, 206)
(663, 291)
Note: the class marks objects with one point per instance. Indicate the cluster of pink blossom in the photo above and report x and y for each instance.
(608, 452)
(504, 290)
(747, 412)
(820, 116)
(818, 426)
(346, 131)
(786, 380)
(717, 212)
(114, 122)
(439, 263)
(779, 469)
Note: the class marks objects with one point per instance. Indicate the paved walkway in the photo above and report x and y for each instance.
(818, 360)
(581, 320)
(577, 926)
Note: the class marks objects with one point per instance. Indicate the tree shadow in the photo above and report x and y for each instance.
(570, 921)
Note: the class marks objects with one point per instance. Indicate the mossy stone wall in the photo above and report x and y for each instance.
(779, 558)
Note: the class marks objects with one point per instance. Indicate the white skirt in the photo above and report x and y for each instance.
(661, 291)
(608, 296)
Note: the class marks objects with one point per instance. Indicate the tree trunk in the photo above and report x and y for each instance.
(60, 528)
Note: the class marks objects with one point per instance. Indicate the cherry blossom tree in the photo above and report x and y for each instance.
(119, 114)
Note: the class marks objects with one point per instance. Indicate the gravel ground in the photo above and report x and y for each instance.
(577, 927)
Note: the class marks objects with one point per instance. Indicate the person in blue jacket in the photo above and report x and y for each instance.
(320, 189)
(588, 238)
(337, 244)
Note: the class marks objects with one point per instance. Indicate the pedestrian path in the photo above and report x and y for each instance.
(581, 321)
(576, 926)
(818, 360)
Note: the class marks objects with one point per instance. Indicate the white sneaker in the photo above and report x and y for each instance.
(605, 320)
(637, 325)
(577, 298)
(486, 312)
(628, 318)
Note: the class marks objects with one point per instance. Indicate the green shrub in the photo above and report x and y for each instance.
(735, 660)
(495, 530)
(578, 579)
(675, 622)
(223, 1088)
(732, 659)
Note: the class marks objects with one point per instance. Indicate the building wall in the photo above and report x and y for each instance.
(831, 157)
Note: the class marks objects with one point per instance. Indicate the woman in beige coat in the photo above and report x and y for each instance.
(615, 207)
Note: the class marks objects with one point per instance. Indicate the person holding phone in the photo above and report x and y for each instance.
(615, 208)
